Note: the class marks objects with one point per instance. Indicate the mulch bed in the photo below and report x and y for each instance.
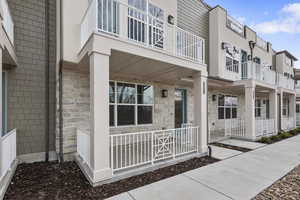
(242, 149)
(63, 181)
(288, 188)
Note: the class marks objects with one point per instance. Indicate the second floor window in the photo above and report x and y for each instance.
(232, 64)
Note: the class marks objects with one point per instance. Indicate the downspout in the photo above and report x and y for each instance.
(47, 85)
(61, 153)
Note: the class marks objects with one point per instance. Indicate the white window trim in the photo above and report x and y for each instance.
(224, 107)
(258, 107)
(232, 69)
(126, 104)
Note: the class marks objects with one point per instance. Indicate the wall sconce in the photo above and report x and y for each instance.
(225, 45)
(171, 20)
(214, 97)
(164, 93)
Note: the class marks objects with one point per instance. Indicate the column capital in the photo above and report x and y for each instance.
(104, 53)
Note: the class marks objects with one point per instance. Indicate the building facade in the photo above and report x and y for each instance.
(123, 86)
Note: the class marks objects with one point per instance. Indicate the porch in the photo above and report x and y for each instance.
(143, 114)
(240, 111)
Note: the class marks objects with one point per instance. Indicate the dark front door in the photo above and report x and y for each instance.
(180, 107)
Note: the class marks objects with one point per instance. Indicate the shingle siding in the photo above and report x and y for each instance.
(26, 86)
(193, 16)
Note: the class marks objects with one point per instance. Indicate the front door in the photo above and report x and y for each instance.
(180, 107)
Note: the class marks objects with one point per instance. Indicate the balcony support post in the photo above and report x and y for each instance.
(250, 110)
(1, 107)
(273, 109)
(99, 112)
(292, 110)
(200, 110)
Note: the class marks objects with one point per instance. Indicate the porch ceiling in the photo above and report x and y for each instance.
(128, 66)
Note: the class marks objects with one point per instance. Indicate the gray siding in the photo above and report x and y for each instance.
(26, 83)
(193, 16)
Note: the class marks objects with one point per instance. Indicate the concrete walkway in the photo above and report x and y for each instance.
(241, 177)
(223, 153)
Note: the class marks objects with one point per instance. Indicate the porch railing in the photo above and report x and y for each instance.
(251, 70)
(8, 152)
(128, 23)
(288, 123)
(147, 148)
(8, 23)
(235, 127)
(298, 119)
(83, 146)
(264, 127)
(285, 82)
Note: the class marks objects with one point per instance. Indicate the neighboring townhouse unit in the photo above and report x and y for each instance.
(297, 89)
(251, 87)
(132, 84)
(8, 61)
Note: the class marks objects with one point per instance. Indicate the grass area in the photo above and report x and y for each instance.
(281, 136)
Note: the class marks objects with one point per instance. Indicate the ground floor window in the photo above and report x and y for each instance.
(297, 108)
(285, 107)
(258, 108)
(4, 103)
(227, 107)
(130, 104)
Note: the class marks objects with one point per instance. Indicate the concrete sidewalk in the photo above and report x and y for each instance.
(240, 177)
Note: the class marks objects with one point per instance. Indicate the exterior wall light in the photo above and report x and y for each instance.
(164, 93)
(214, 97)
(225, 45)
(171, 20)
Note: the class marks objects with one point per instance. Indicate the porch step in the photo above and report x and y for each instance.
(223, 153)
(242, 143)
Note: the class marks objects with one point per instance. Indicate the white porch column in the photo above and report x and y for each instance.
(274, 109)
(99, 99)
(282, 125)
(250, 111)
(1, 108)
(292, 110)
(200, 110)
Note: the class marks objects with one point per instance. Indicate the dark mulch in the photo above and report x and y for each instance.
(287, 188)
(65, 181)
(242, 149)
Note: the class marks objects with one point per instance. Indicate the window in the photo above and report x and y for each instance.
(4, 104)
(297, 108)
(130, 104)
(285, 107)
(258, 108)
(227, 107)
(232, 64)
(268, 109)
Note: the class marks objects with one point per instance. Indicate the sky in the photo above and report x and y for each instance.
(276, 21)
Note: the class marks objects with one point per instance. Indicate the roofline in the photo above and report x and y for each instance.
(288, 54)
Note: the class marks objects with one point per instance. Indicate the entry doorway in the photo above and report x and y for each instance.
(180, 107)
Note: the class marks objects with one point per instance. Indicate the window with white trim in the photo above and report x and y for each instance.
(130, 104)
(285, 107)
(232, 64)
(258, 107)
(227, 107)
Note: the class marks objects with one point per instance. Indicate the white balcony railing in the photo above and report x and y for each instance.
(235, 25)
(8, 152)
(264, 127)
(83, 146)
(285, 82)
(251, 70)
(8, 23)
(148, 148)
(128, 23)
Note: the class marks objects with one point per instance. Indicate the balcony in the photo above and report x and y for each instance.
(262, 43)
(7, 22)
(251, 70)
(123, 22)
(235, 25)
(285, 82)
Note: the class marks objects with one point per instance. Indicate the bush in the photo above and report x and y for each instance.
(265, 140)
(285, 135)
(293, 132)
(275, 138)
(297, 130)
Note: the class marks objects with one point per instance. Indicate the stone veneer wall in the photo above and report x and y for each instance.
(26, 83)
(76, 105)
